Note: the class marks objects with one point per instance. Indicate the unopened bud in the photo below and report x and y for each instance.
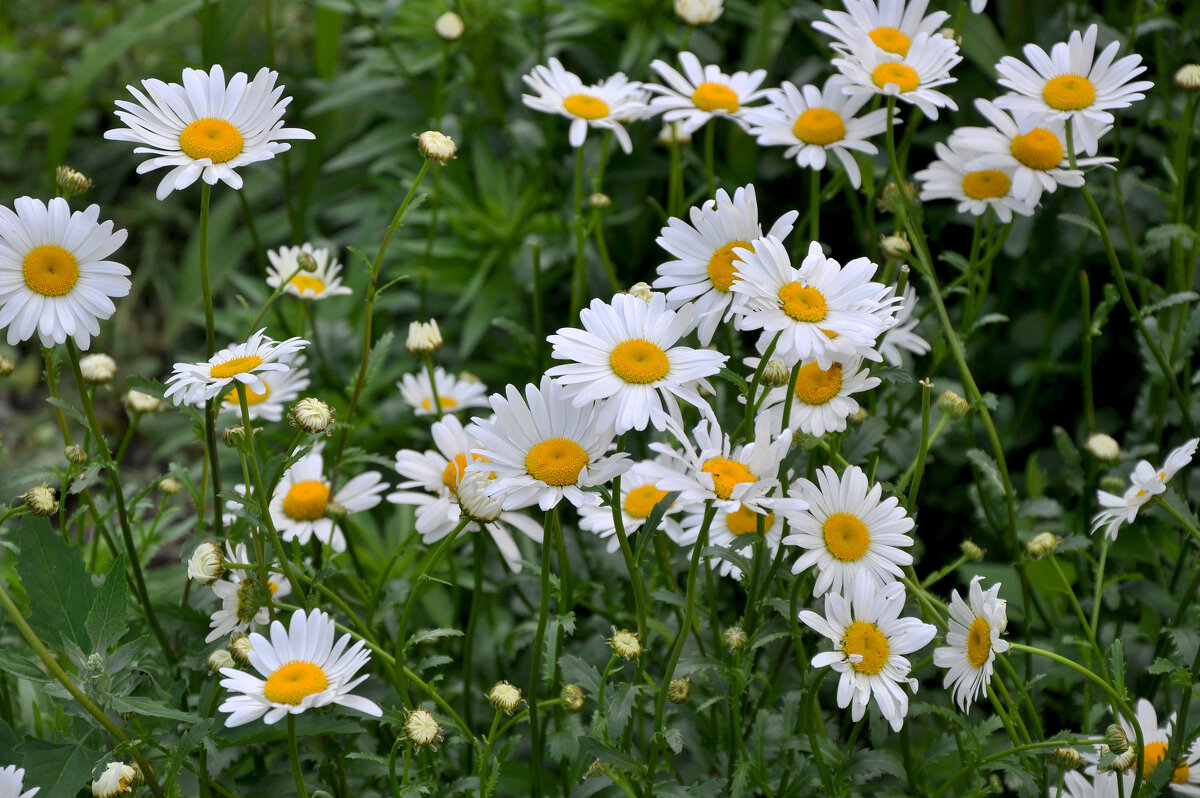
(971, 550)
(424, 338)
(643, 291)
(307, 262)
(219, 659)
(336, 512)
(1043, 545)
(953, 405)
(240, 648)
(775, 374)
(435, 146)
(1112, 484)
(699, 12)
(625, 644)
(895, 246)
(466, 376)
(674, 133)
(207, 563)
(139, 402)
(98, 368)
(6, 366)
(735, 638)
(70, 182)
(859, 416)
(311, 415)
(1066, 758)
(42, 500)
(1188, 77)
(76, 454)
(421, 728)
(1116, 738)
(505, 697)
(679, 690)
(571, 698)
(1121, 762)
(892, 200)
(599, 201)
(598, 768)
(1103, 447)
(449, 27)
(170, 485)
(233, 436)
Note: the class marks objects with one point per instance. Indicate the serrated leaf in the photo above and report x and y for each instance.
(1117, 659)
(151, 708)
(69, 409)
(1161, 665)
(59, 589)
(105, 621)
(595, 748)
(379, 353)
(188, 743)
(1171, 301)
(621, 708)
(1080, 221)
(431, 634)
(90, 476)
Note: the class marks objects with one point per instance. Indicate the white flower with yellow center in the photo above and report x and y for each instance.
(902, 335)
(739, 529)
(304, 494)
(913, 77)
(543, 449)
(304, 669)
(824, 311)
(701, 92)
(1147, 482)
(242, 604)
(626, 360)
(822, 399)
(453, 394)
(1156, 742)
(604, 105)
(280, 388)
(813, 122)
(975, 190)
(706, 265)
(639, 496)
(1072, 82)
(12, 781)
(54, 279)
(320, 283)
(870, 640)
(245, 363)
(849, 529)
(1103, 785)
(206, 128)
(891, 26)
(972, 642)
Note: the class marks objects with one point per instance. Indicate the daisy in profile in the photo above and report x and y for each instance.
(242, 604)
(812, 123)
(206, 127)
(972, 642)
(849, 529)
(54, 277)
(543, 449)
(700, 92)
(913, 77)
(316, 274)
(12, 781)
(639, 496)
(195, 383)
(304, 669)
(891, 25)
(975, 190)
(604, 105)
(870, 640)
(626, 359)
(825, 311)
(280, 388)
(301, 500)
(902, 335)
(453, 393)
(1146, 483)
(1073, 83)
(823, 398)
(706, 264)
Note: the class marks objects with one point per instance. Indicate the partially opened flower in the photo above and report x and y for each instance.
(701, 92)
(975, 190)
(453, 393)
(604, 105)
(245, 363)
(1156, 741)
(913, 77)
(972, 642)
(823, 398)
(321, 281)
(891, 25)
(301, 500)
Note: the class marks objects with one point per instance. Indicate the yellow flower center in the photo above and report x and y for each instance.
(726, 474)
(50, 270)
(902, 75)
(272, 588)
(890, 40)
(745, 521)
(556, 461)
(1152, 754)
(802, 303)
(306, 501)
(457, 467)
(252, 397)
(292, 683)
(306, 283)
(715, 97)
(846, 537)
(640, 501)
(1037, 149)
(867, 641)
(816, 386)
(445, 402)
(819, 126)
(639, 362)
(585, 106)
(979, 642)
(214, 139)
(986, 184)
(234, 366)
(720, 265)
(1069, 92)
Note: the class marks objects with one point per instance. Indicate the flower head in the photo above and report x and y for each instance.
(435, 146)
(312, 415)
(245, 363)
(117, 779)
(699, 93)
(97, 368)
(321, 282)
(1147, 482)
(505, 697)
(421, 727)
(453, 393)
(972, 642)
(424, 337)
(913, 77)
(279, 389)
(952, 177)
(604, 105)
(699, 12)
(890, 26)
(206, 565)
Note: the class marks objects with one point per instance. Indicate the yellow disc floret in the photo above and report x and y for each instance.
(214, 139)
(726, 474)
(720, 266)
(1152, 754)
(891, 40)
(641, 501)
(586, 106)
(1069, 93)
(745, 521)
(979, 642)
(50, 270)
(986, 184)
(445, 402)
(557, 461)
(306, 283)
(294, 682)
(252, 397)
(817, 386)
(715, 97)
(1038, 149)
(865, 640)
(306, 501)
(846, 537)
(819, 126)
(901, 75)
(235, 366)
(457, 467)
(639, 362)
(802, 302)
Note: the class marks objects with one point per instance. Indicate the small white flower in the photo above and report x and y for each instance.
(604, 105)
(453, 393)
(321, 283)
(139, 402)
(1156, 741)
(117, 779)
(737, 530)
(1147, 482)
(279, 389)
(194, 383)
(822, 400)
(913, 77)
(298, 506)
(975, 190)
(972, 642)
(701, 92)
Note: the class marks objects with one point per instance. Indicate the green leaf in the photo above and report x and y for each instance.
(194, 737)
(14, 663)
(431, 634)
(60, 768)
(59, 589)
(151, 708)
(378, 354)
(577, 671)
(106, 619)
(1161, 665)
(1080, 221)
(67, 408)
(1117, 656)
(595, 748)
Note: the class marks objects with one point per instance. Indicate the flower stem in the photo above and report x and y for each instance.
(552, 527)
(814, 205)
(710, 138)
(294, 756)
(579, 270)
(210, 346)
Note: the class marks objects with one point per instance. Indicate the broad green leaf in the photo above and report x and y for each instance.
(59, 589)
(106, 619)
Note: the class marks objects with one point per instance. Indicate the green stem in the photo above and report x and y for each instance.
(579, 270)
(1085, 345)
(411, 602)
(1020, 749)
(814, 206)
(710, 139)
(210, 346)
(294, 756)
(923, 452)
(433, 391)
(551, 527)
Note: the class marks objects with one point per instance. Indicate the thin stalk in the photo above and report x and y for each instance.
(539, 324)
(710, 146)
(579, 270)
(923, 452)
(411, 602)
(210, 346)
(294, 757)
(551, 527)
(814, 205)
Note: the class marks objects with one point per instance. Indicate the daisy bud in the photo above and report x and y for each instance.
(449, 27)
(1188, 77)
(775, 374)
(312, 415)
(466, 376)
(1115, 737)
(971, 550)
(117, 779)
(421, 728)
(735, 638)
(673, 133)
(948, 33)
(895, 246)
(597, 768)
(1066, 758)
(139, 402)
(1043, 545)
(679, 690)
(891, 199)
(1112, 484)
(953, 405)
(307, 262)
(70, 182)
(643, 291)
(41, 500)
(6, 366)
(1121, 762)
(251, 599)
(625, 644)
(599, 201)
(206, 563)
(76, 454)
(473, 500)
(424, 338)
(219, 659)
(571, 698)
(505, 697)
(699, 12)
(170, 485)
(98, 368)
(1103, 447)
(435, 146)
(233, 436)
(859, 416)
(240, 648)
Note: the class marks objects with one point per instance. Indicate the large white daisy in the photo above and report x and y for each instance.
(194, 383)
(823, 398)
(975, 190)
(604, 105)
(302, 497)
(12, 781)
(701, 92)
(891, 25)
(280, 388)
(321, 283)
(972, 642)
(453, 393)
(913, 77)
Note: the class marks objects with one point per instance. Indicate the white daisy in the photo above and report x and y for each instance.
(304, 669)
(736, 530)
(705, 268)
(543, 449)
(975, 190)
(1072, 83)
(323, 282)
(639, 496)
(849, 529)
(1155, 744)
(454, 393)
(973, 639)
(701, 92)
(12, 781)
(242, 605)
(54, 279)
(1147, 482)
(280, 388)
(194, 383)
(822, 400)
(812, 122)
(891, 26)
(604, 105)
(1103, 785)
(913, 77)
(302, 496)
(870, 640)
(902, 335)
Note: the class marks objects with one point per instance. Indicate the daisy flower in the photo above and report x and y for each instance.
(604, 105)
(1147, 482)
(454, 393)
(195, 383)
(902, 335)
(626, 360)
(206, 128)
(1073, 83)
(706, 264)
(973, 639)
(736, 530)
(639, 496)
(849, 529)
(242, 605)
(1156, 740)
(12, 781)
(1103, 785)
(54, 279)
(822, 399)
(975, 190)
(825, 312)
(813, 122)
(891, 26)
(280, 388)
(870, 639)
(302, 497)
(700, 92)
(543, 449)
(913, 77)
(304, 669)
(321, 283)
